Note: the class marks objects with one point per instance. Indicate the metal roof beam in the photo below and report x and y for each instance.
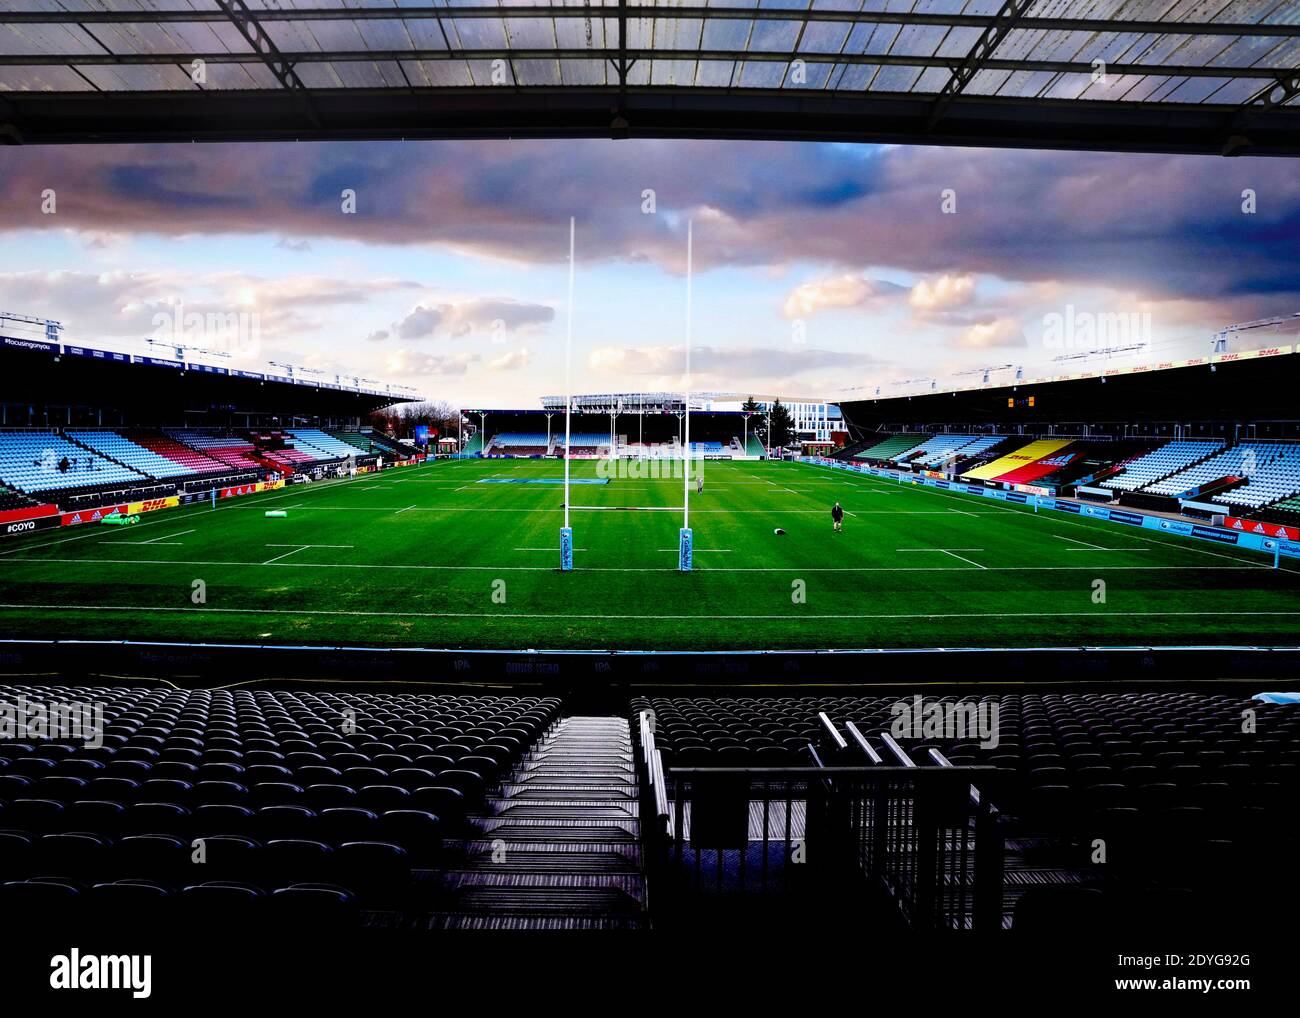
(266, 51)
(661, 112)
(615, 54)
(980, 56)
(982, 21)
(1270, 98)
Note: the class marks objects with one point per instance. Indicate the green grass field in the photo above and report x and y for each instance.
(414, 557)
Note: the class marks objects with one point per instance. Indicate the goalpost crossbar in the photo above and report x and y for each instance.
(632, 508)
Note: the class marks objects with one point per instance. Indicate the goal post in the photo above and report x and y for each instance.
(566, 532)
(685, 538)
(685, 549)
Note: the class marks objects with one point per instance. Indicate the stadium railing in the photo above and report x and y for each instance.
(926, 837)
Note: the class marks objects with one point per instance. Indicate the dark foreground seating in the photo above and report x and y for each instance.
(230, 806)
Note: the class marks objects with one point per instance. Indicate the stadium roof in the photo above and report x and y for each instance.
(1212, 76)
(1254, 385)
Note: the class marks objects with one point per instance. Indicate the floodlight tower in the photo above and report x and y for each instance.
(1220, 342)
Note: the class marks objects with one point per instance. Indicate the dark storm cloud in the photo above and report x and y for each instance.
(1169, 226)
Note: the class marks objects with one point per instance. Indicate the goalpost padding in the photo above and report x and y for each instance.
(684, 549)
(566, 549)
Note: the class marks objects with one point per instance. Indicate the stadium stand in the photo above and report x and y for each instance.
(165, 445)
(1182, 796)
(291, 457)
(1286, 512)
(1055, 463)
(977, 448)
(585, 443)
(1275, 477)
(518, 444)
(650, 450)
(373, 443)
(305, 801)
(707, 449)
(237, 452)
(889, 447)
(356, 439)
(1159, 463)
(1271, 467)
(1020, 457)
(12, 499)
(125, 451)
(327, 445)
(43, 461)
(933, 450)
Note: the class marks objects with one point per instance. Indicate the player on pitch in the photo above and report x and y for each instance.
(837, 514)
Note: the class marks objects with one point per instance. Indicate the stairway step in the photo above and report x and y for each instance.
(595, 796)
(532, 885)
(452, 921)
(628, 850)
(574, 901)
(566, 784)
(509, 828)
(567, 819)
(567, 811)
(523, 861)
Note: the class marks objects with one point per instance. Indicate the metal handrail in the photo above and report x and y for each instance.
(899, 753)
(828, 727)
(863, 744)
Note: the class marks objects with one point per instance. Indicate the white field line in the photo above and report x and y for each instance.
(1054, 517)
(406, 510)
(647, 569)
(297, 548)
(1072, 540)
(544, 509)
(950, 551)
(568, 615)
(163, 541)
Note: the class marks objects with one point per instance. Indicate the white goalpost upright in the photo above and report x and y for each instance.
(684, 545)
(566, 532)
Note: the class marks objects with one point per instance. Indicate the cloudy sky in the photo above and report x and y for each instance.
(819, 269)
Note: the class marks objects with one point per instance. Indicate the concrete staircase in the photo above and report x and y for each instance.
(558, 847)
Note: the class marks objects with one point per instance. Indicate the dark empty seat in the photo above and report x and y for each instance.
(294, 860)
(383, 797)
(322, 908)
(378, 872)
(419, 832)
(469, 783)
(285, 821)
(149, 857)
(16, 856)
(443, 802)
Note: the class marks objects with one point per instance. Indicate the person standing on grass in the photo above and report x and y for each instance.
(699, 484)
(837, 514)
